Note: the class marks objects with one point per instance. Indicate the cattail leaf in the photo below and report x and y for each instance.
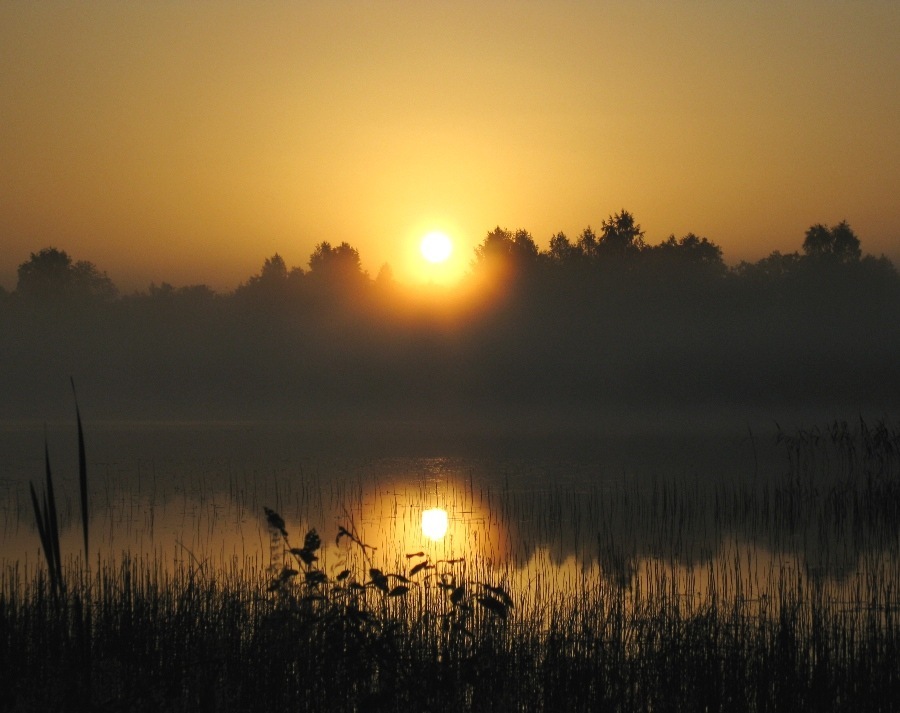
(82, 474)
(39, 519)
(419, 567)
(399, 590)
(52, 520)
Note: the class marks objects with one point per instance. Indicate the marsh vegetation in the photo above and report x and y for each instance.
(774, 591)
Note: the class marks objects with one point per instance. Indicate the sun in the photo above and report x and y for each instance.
(436, 247)
(434, 523)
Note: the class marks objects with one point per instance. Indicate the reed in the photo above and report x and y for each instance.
(48, 524)
(172, 641)
(45, 510)
(681, 617)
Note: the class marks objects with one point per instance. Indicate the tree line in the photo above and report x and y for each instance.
(617, 249)
(602, 322)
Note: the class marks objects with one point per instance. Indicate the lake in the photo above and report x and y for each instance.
(724, 512)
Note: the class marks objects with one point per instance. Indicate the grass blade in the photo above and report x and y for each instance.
(52, 522)
(82, 476)
(39, 519)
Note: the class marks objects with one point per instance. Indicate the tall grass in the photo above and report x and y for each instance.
(438, 635)
(45, 510)
(181, 641)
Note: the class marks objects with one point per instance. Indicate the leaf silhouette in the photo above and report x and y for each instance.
(419, 567)
(378, 579)
(312, 541)
(501, 594)
(415, 554)
(457, 594)
(304, 554)
(458, 560)
(495, 606)
(275, 521)
(342, 575)
(342, 532)
(398, 591)
(283, 578)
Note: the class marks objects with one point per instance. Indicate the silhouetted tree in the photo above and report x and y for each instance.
(496, 246)
(385, 276)
(272, 277)
(562, 251)
(506, 250)
(690, 251)
(524, 247)
(775, 266)
(620, 235)
(837, 243)
(339, 263)
(587, 243)
(190, 293)
(274, 285)
(51, 275)
(274, 269)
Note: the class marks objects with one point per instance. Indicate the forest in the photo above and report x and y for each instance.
(604, 324)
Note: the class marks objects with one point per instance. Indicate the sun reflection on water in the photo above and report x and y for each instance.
(541, 545)
(434, 523)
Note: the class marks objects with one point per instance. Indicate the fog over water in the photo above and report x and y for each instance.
(601, 404)
(165, 489)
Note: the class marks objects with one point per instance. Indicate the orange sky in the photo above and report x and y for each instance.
(186, 142)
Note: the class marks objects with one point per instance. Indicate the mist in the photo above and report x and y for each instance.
(603, 332)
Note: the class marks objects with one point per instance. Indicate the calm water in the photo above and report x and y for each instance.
(700, 512)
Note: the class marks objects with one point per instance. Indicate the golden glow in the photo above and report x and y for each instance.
(434, 523)
(437, 235)
(436, 247)
(140, 119)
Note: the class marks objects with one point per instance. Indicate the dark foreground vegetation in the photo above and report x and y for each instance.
(135, 638)
(601, 322)
(447, 636)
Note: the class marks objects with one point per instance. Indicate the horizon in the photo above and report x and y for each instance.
(455, 281)
(187, 143)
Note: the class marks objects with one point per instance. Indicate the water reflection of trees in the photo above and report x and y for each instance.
(831, 507)
(828, 509)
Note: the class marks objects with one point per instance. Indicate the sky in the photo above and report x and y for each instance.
(187, 141)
